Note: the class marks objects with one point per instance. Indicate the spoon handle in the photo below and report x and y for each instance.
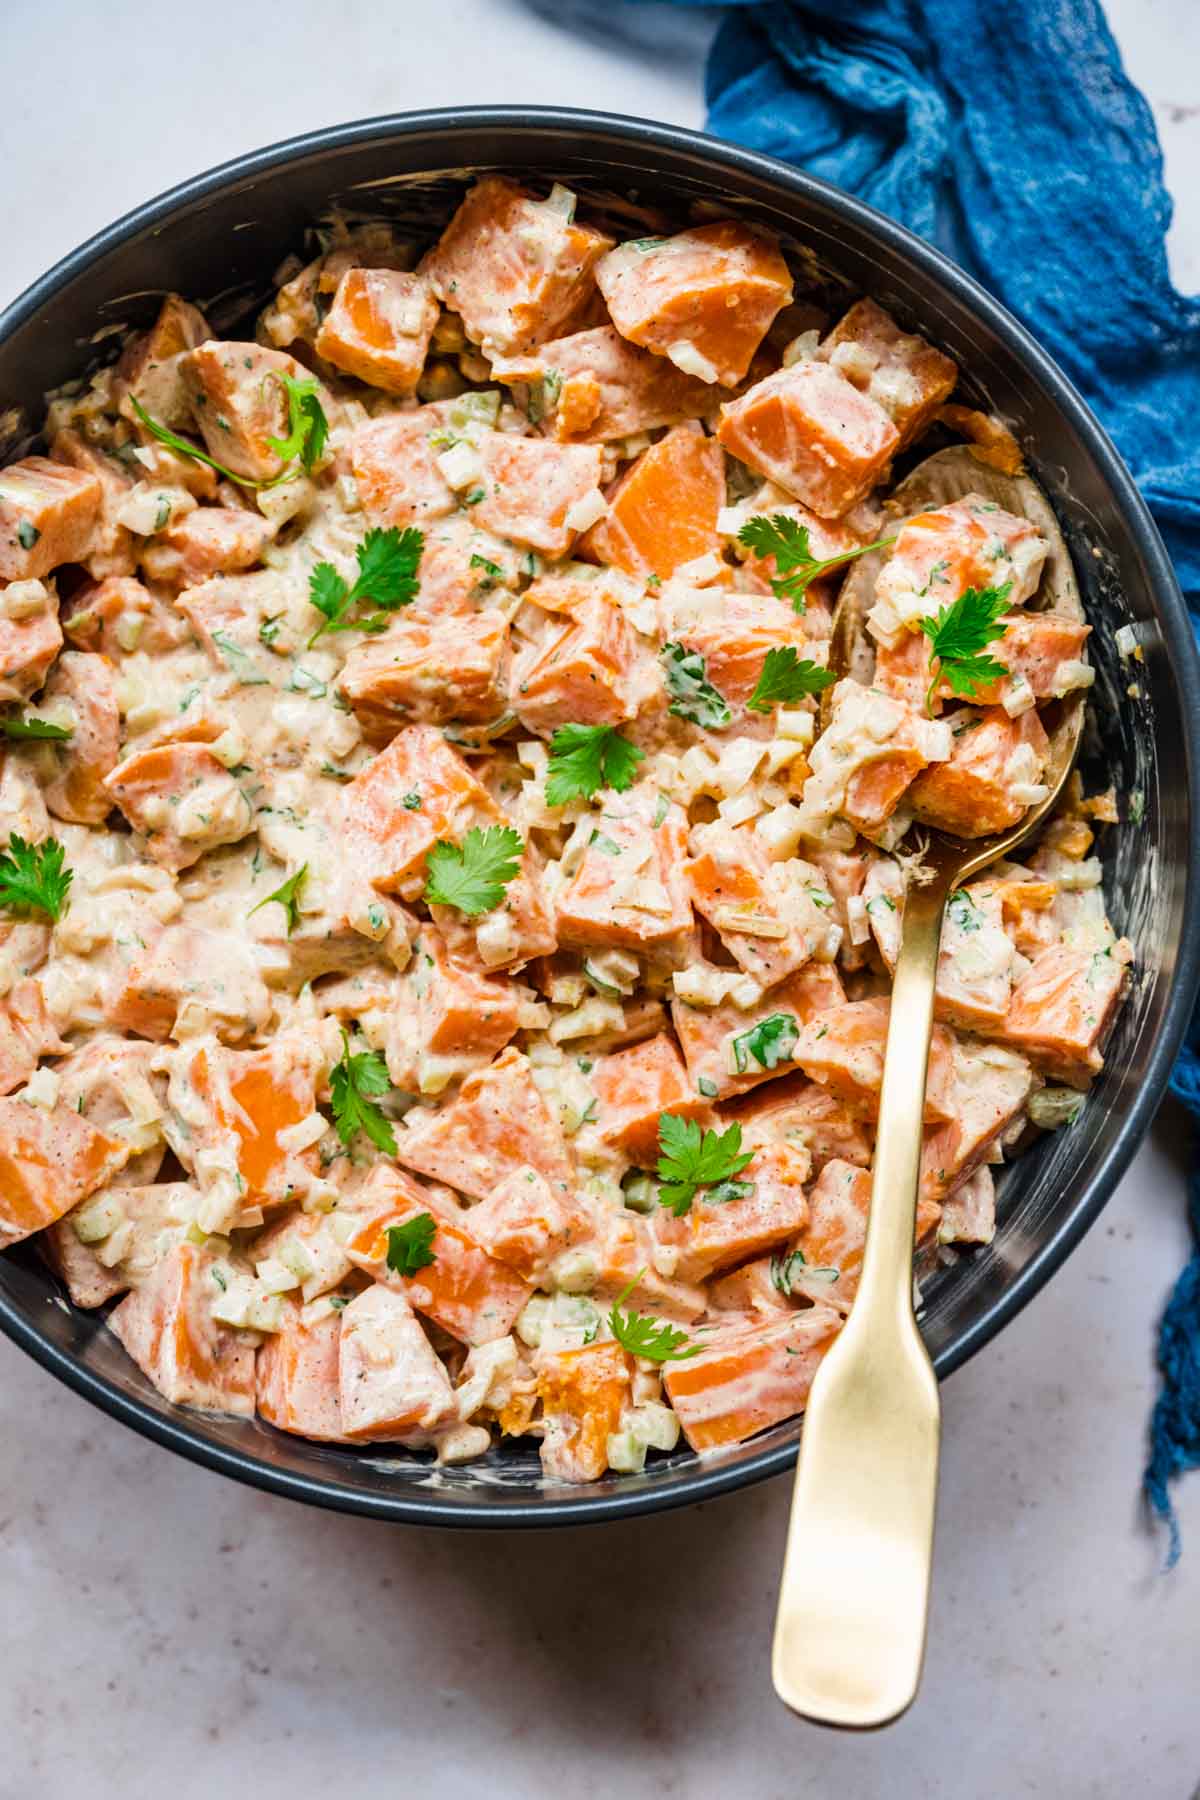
(853, 1602)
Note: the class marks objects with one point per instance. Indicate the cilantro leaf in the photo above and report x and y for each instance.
(784, 538)
(784, 677)
(388, 561)
(642, 1335)
(692, 1158)
(308, 428)
(472, 877)
(286, 895)
(408, 1244)
(354, 1082)
(35, 729)
(693, 695)
(770, 1043)
(33, 877)
(960, 634)
(184, 447)
(584, 758)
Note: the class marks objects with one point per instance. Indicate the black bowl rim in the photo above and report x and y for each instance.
(175, 1433)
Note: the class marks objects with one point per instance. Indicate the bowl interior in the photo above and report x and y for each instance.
(219, 240)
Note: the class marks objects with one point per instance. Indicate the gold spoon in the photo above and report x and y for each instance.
(854, 1598)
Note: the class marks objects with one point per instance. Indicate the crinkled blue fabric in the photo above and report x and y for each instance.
(1010, 136)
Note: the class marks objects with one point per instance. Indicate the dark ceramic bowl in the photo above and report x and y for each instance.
(223, 234)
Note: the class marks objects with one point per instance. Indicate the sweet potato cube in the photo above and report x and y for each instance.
(705, 297)
(1062, 1007)
(462, 1013)
(799, 1111)
(498, 1124)
(395, 467)
(387, 839)
(991, 1085)
(429, 671)
(207, 975)
(297, 1375)
(520, 928)
(390, 1382)
(148, 1217)
(810, 432)
(111, 549)
(902, 373)
(239, 403)
(26, 1033)
(843, 1049)
(975, 962)
(938, 555)
(623, 1247)
(733, 633)
(993, 775)
(252, 1098)
(865, 761)
(719, 1042)
(310, 1240)
(633, 1087)
(771, 917)
(1042, 652)
(464, 1290)
(181, 800)
(713, 1236)
(531, 489)
(824, 1261)
(589, 671)
(750, 1376)
(752, 1289)
(379, 327)
(526, 1223)
(29, 642)
(82, 690)
(513, 267)
(583, 1394)
(48, 513)
(118, 614)
(167, 1327)
(149, 365)
(602, 904)
(212, 540)
(49, 1162)
(593, 386)
(663, 510)
(969, 1213)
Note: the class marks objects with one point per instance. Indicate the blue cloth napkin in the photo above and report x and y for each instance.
(1010, 136)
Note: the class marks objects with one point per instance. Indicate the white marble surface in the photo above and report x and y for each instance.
(168, 1632)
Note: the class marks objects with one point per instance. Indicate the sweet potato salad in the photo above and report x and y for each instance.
(447, 903)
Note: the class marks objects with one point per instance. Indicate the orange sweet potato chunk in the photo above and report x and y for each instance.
(391, 1384)
(811, 433)
(84, 687)
(212, 540)
(239, 403)
(583, 1393)
(663, 510)
(705, 298)
(394, 464)
(530, 486)
(633, 1087)
(26, 1033)
(388, 840)
(750, 1376)
(843, 1049)
(979, 790)
(428, 671)
(526, 1223)
(513, 267)
(734, 640)
(296, 1375)
(1044, 650)
(593, 908)
(28, 646)
(167, 1327)
(593, 386)
(715, 1235)
(111, 548)
(498, 1124)
(251, 1097)
(182, 800)
(48, 513)
(799, 1111)
(461, 1010)
(824, 1260)
(379, 327)
(717, 1064)
(590, 671)
(901, 372)
(1063, 1006)
(464, 1290)
(108, 616)
(187, 963)
(49, 1162)
(148, 369)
